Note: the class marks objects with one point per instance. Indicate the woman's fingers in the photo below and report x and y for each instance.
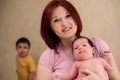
(86, 71)
(90, 75)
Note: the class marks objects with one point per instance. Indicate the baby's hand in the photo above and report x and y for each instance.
(56, 76)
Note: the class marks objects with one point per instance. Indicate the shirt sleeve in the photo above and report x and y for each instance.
(47, 58)
(100, 46)
(32, 64)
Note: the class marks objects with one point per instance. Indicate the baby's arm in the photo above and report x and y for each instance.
(61, 76)
(66, 75)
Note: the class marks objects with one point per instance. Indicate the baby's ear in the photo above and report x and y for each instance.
(93, 49)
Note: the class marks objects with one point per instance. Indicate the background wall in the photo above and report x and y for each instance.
(20, 18)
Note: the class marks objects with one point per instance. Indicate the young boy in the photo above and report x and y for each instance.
(83, 51)
(26, 67)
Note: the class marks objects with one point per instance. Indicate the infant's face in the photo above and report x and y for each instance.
(82, 49)
(22, 49)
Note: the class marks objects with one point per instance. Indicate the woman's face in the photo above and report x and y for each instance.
(62, 23)
(82, 49)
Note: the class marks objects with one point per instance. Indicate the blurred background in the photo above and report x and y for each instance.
(21, 18)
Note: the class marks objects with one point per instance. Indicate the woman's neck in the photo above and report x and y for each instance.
(66, 45)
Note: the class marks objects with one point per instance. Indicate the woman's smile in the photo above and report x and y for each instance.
(66, 29)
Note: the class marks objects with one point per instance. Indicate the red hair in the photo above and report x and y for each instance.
(50, 38)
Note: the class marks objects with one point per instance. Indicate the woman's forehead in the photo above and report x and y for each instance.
(58, 11)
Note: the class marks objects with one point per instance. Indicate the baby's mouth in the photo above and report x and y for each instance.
(81, 52)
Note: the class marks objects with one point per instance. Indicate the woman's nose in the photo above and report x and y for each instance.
(64, 23)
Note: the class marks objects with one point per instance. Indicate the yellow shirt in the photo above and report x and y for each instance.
(25, 65)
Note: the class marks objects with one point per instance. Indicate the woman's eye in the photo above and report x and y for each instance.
(56, 20)
(68, 15)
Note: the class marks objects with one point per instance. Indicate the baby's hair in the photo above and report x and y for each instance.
(23, 40)
(89, 41)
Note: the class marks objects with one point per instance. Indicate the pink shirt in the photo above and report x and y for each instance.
(56, 62)
(61, 62)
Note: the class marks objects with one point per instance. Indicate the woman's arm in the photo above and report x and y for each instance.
(45, 65)
(114, 74)
(43, 72)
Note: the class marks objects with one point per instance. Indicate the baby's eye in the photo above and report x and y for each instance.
(75, 48)
(84, 45)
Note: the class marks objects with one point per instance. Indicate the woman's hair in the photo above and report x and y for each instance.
(50, 38)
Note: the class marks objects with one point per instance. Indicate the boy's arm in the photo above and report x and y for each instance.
(31, 68)
(31, 76)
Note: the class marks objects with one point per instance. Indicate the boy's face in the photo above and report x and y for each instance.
(82, 49)
(22, 49)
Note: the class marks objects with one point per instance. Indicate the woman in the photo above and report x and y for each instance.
(60, 25)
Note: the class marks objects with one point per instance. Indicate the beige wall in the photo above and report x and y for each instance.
(22, 18)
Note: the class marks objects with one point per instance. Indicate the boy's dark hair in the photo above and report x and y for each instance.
(23, 40)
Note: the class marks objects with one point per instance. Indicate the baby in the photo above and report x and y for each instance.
(83, 51)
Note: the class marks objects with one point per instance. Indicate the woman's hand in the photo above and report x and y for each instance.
(90, 75)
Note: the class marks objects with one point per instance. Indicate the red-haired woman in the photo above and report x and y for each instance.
(60, 25)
